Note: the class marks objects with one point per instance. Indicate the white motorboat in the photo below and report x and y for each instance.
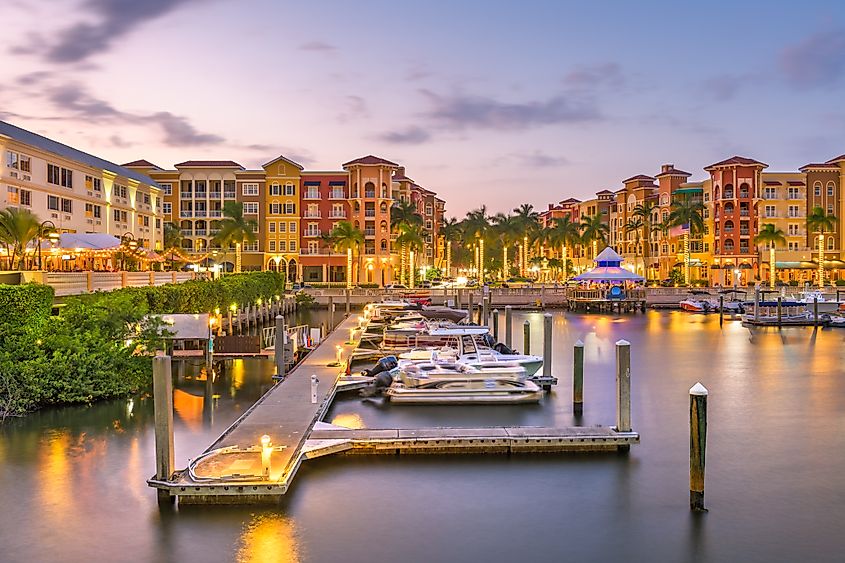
(699, 302)
(468, 351)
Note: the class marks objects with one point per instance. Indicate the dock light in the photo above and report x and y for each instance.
(266, 452)
(217, 310)
(211, 321)
(339, 354)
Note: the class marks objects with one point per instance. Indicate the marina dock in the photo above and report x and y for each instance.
(241, 468)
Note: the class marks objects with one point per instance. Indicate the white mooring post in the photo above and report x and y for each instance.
(314, 383)
(494, 319)
(547, 345)
(697, 445)
(623, 386)
(163, 412)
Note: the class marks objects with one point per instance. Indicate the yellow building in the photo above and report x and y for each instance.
(283, 214)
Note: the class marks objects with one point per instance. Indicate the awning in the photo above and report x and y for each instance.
(87, 241)
(745, 266)
(608, 273)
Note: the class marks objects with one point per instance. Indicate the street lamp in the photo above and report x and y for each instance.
(737, 272)
(53, 235)
(127, 240)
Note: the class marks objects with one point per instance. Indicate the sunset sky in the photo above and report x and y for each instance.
(484, 102)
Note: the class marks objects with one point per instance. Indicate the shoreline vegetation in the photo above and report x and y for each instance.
(90, 350)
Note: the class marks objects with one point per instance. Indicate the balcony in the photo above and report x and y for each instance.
(228, 195)
(214, 195)
(215, 213)
(186, 232)
(311, 233)
(369, 213)
(312, 215)
(187, 214)
(309, 194)
(185, 195)
(200, 195)
(370, 194)
(320, 252)
(337, 194)
(743, 213)
(369, 232)
(200, 213)
(744, 232)
(337, 215)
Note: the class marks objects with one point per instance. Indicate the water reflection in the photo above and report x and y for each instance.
(268, 538)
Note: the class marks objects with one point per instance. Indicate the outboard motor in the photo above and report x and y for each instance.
(488, 340)
(387, 363)
(503, 349)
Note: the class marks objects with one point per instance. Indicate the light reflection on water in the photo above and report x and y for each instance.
(774, 479)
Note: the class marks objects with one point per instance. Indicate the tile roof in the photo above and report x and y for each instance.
(57, 148)
(209, 164)
(772, 182)
(286, 159)
(401, 178)
(638, 177)
(141, 164)
(673, 172)
(829, 165)
(738, 161)
(370, 159)
(604, 192)
(796, 183)
(836, 159)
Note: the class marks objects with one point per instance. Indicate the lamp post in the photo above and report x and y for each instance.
(52, 235)
(737, 273)
(128, 240)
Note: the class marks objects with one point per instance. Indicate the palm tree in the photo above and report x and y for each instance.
(172, 241)
(689, 214)
(635, 225)
(403, 214)
(566, 234)
(345, 237)
(450, 230)
(772, 236)
(410, 239)
(476, 226)
(18, 228)
(527, 219)
(820, 222)
(593, 231)
(235, 229)
(645, 211)
(507, 229)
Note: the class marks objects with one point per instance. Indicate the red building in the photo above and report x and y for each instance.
(324, 200)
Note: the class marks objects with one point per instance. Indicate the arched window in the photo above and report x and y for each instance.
(831, 189)
(716, 192)
(664, 199)
(369, 190)
(383, 207)
(729, 227)
(729, 191)
(729, 246)
(271, 265)
(357, 207)
(817, 189)
(830, 243)
(665, 215)
(384, 191)
(744, 190)
(383, 226)
(729, 208)
(384, 244)
(665, 248)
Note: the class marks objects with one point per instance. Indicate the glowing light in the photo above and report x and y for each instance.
(233, 307)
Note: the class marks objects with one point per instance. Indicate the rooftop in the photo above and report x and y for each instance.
(738, 161)
(672, 172)
(141, 164)
(638, 178)
(370, 159)
(209, 164)
(57, 148)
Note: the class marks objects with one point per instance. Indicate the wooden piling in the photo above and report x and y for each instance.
(348, 293)
(508, 326)
(470, 311)
(623, 386)
(495, 321)
(756, 304)
(331, 313)
(526, 337)
(697, 445)
(485, 310)
(163, 412)
(816, 311)
(547, 345)
(578, 378)
(279, 352)
(780, 310)
(721, 310)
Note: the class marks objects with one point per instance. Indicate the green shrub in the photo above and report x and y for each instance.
(90, 351)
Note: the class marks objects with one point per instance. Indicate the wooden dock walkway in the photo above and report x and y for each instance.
(239, 469)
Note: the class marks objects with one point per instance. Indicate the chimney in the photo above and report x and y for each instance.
(400, 171)
(666, 168)
(551, 206)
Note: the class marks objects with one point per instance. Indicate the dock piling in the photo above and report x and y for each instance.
(495, 321)
(623, 386)
(756, 304)
(470, 308)
(348, 292)
(279, 352)
(816, 311)
(485, 310)
(163, 412)
(331, 313)
(721, 310)
(508, 326)
(526, 337)
(578, 378)
(780, 310)
(697, 445)
(314, 383)
(547, 345)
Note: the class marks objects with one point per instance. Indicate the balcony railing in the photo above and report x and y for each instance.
(743, 213)
(186, 232)
(337, 215)
(320, 252)
(311, 195)
(312, 215)
(369, 232)
(215, 213)
(200, 213)
(369, 194)
(185, 195)
(186, 214)
(200, 232)
(214, 195)
(337, 194)
(311, 233)
(229, 195)
(369, 213)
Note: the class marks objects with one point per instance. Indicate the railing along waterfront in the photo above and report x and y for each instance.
(76, 283)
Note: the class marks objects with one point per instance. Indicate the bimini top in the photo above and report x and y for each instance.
(608, 268)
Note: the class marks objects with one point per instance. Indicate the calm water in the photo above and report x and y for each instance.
(72, 480)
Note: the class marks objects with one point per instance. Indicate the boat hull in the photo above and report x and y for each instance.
(466, 392)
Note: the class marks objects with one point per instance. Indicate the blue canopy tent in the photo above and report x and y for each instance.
(608, 269)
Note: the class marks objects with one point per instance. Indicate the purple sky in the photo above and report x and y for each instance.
(485, 102)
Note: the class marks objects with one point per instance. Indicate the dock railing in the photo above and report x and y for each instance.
(76, 283)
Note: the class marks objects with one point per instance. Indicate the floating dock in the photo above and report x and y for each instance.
(240, 468)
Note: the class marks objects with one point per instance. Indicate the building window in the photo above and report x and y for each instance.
(830, 190)
(272, 247)
(167, 208)
(282, 227)
(98, 212)
(283, 246)
(52, 202)
(792, 229)
(250, 190)
(275, 209)
(792, 245)
(770, 193)
(793, 193)
(167, 189)
(292, 246)
(67, 205)
(250, 208)
(768, 211)
(116, 215)
(275, 189)
(817, 189)
(830, 209)
(119, 191)
(793, 211)
(290, 189)
(830, 243)
(292, 227)
(271, 226)
(289, 208)
(18, 161)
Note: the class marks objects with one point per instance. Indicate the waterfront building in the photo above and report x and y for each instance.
(325, 202)
(431, 209)
(282, 213)
(76, 191)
